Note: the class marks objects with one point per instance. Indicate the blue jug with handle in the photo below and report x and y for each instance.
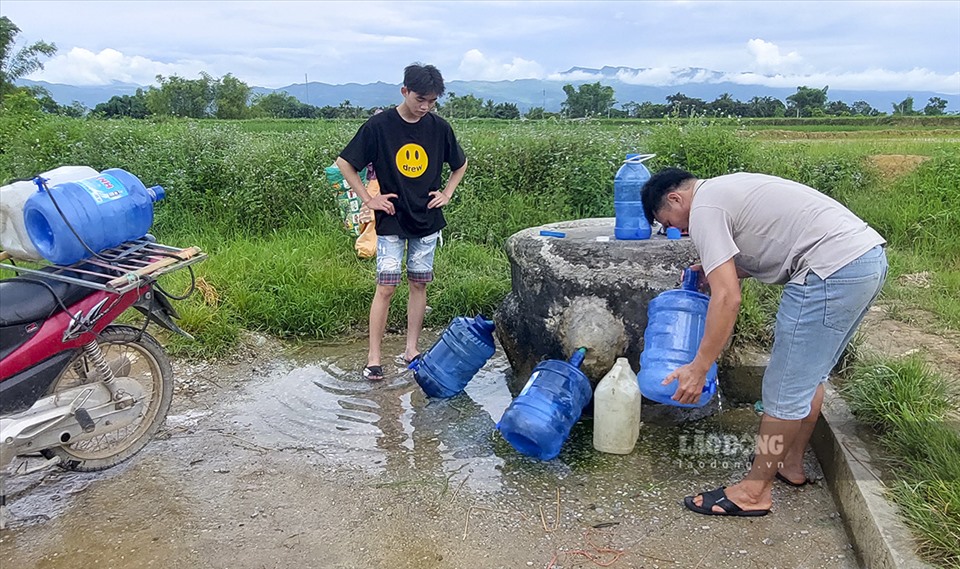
(538, 421)
(94, 213)
(630, 220)
(675, 325)
(457, 355)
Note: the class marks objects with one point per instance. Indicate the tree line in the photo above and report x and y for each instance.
(228, 97)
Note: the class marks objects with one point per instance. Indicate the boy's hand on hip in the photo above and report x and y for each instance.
(440, 199)
(382, 203)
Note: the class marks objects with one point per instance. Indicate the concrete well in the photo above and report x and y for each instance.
(586, 289)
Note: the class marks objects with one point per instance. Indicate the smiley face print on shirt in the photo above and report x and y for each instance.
(412, 160)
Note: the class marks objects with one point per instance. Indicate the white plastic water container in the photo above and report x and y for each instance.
(13, 232)
(616, 410)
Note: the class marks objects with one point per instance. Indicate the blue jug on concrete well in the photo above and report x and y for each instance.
(104, 210)
(457, 355)
(630, 178)
(538, 421)
(675, 324)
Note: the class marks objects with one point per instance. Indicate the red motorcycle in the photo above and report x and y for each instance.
(76, 387)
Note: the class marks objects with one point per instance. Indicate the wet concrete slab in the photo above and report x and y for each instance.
(295, 460)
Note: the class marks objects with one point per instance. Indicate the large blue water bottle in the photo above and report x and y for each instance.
(538, 421)
(457, 355)
(630, 178)
(104, 211)
(675, 324)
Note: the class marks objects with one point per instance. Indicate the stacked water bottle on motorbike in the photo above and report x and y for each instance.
(75, 387)
(538, 421)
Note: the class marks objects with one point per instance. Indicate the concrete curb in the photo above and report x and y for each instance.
(881, 539)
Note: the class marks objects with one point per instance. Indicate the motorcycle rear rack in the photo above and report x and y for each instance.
(122, 268)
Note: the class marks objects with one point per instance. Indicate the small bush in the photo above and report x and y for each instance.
(706, 148)
(908, 406)
(881, 392)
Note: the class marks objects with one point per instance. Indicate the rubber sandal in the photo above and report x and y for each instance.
(783, 478)
(718, 497)
(373, 373)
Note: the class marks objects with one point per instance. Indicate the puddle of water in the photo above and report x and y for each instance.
(391, 428)
(44, 495)
(321, 402)
(400, 480)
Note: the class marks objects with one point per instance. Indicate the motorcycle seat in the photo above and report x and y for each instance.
(24, 300)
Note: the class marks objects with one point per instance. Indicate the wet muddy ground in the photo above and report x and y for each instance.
(293, 460)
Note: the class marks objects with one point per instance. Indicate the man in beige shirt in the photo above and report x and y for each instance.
(832, 265)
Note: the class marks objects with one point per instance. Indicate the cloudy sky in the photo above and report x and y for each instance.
(847, 45)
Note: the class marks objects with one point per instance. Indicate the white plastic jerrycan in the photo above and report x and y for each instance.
(14, 238)
(616, 410)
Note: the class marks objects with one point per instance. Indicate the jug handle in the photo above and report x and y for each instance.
(638, 159)
(691, 280)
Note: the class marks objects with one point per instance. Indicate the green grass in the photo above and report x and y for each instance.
(757, 316)
(254, 194)
(307, 283)
(908, 405)
(897, 124)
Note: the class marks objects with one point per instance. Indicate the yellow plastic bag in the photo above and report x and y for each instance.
(366, 244)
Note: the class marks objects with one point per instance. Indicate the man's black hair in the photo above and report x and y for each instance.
(655, 191)
(423, 79)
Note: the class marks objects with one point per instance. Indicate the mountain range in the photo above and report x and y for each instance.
(527, 93)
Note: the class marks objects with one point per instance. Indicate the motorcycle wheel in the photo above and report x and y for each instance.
(131, 354)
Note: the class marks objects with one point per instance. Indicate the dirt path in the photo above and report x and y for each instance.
(293, 461)
(895, 338)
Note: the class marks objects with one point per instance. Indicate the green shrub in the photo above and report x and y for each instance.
(883, 392)
(908, 405)
(706, 148)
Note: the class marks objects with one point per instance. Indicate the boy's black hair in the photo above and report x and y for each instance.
(655, 191)
(423, 79)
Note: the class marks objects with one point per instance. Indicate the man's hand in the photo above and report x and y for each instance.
(691, 381)
(701, 278)
(382, 203)
(440, 199)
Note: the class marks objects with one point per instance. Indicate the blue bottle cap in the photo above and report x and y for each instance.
(673, 233)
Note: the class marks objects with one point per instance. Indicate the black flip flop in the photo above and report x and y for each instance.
(785, 480)
(373, 373)
(718, 497)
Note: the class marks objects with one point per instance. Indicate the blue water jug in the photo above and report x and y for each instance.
(538, 421)
(675, 324)
(105, 211)
(457, 355)
(630, 178)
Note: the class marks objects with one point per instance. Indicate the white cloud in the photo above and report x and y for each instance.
(81, 66)
(872, 79)
(664, 76)
(655, 76)
(476, 66)
(578, 75)
(919, 79)
(768, 59)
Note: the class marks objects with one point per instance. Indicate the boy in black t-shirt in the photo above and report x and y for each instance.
(408, 146)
